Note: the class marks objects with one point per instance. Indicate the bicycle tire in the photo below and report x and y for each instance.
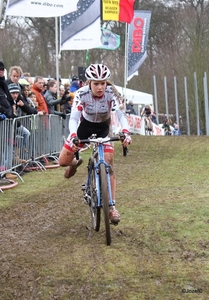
(125, 150)
(94, 209)
(105, 202)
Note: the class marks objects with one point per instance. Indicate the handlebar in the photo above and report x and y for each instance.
(96, 140)
(100, 140)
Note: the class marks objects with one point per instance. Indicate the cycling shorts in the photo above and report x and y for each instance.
(86, 129)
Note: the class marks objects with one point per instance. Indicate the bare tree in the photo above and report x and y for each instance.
(177, 46)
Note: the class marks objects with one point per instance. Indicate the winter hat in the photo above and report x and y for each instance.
(23, 81)
(2, 65)
(13, 88)
(75, 78)
(74, 86)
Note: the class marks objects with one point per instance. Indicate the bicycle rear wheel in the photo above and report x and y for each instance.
(94, 210)
(105, 201)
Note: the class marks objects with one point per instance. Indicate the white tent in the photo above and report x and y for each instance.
(138, 98)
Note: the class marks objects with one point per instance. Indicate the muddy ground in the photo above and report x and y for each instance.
(159, 250)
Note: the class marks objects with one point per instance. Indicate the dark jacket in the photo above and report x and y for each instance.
(130, 109)
(6, 101)
(26, 109)
(52, 101)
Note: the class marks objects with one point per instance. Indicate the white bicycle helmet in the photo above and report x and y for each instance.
(97, 72)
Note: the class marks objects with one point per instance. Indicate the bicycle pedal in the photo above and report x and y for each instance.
(83, 187)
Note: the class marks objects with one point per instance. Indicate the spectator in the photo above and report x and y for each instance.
(6, 100)
(75, 78)
(166, 127)
(15, 73)
(28, 102)
(81, 83)
(176, 130)
(45, 87)
(25, 92)
(28, 77)
(130, 108)
(61, 93)
(7, 108)
(21, 106)
(32, 97)
(23, 81)
(37, 88)
(67, 86)
(51, 99)
(73, 88)
(153, 117)
(21, 130)
(61, 90)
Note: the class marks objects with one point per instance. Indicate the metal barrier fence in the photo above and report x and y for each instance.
(27, 139)
(186, 101)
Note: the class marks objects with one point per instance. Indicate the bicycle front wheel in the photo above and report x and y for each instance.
(94, 209)
(105, 201)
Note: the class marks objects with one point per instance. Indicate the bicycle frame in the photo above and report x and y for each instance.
(98, 159)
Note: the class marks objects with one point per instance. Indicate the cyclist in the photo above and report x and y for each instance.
(91, 113)
(148, 114)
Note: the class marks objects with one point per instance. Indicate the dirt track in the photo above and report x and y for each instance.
(40, 229)
(160, 248)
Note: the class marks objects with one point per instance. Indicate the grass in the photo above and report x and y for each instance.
(160, 249)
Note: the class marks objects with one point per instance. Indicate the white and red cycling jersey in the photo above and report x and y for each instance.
(90, 113)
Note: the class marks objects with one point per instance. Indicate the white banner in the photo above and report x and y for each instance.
(136, 125)
(82, 30)
(40, 8)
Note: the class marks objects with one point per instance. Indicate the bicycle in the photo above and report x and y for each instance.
(147, 125)
(97, 189)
